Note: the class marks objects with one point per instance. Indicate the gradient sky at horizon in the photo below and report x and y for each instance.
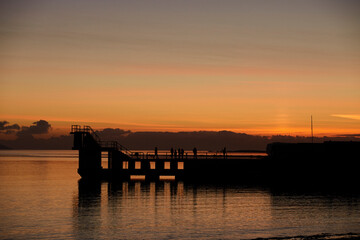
(260, 67)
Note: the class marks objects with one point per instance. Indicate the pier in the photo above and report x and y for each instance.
(124, 164)
(331, 164)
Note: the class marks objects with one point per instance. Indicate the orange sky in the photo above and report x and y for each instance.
(260, 67)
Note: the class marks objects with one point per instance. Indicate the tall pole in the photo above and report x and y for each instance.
(312, 131)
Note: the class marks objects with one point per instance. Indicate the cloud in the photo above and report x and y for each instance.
(348, 116)
(39, 127)
(5, 127)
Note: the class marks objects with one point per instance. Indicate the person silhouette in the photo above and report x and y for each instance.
(224, 152)
(156, 152)
(172, 152)
(175, 154)
(195, 152)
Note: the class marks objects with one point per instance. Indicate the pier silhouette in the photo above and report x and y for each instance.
(124, 164)
(328, 163)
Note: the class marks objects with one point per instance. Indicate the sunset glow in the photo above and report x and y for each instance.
(259, 67)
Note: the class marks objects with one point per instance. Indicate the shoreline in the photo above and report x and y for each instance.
(322, 236)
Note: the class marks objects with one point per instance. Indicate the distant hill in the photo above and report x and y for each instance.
(4, 147)
(202, 140)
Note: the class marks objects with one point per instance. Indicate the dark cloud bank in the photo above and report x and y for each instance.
(203, 140)
(8, 129)
(25, 137)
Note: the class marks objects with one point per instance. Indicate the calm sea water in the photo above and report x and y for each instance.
(41, 198)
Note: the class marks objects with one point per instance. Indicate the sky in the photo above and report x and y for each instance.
(259, 67)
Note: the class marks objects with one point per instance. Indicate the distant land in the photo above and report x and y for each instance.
(25, 137)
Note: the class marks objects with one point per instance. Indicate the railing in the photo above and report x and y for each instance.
(115, 145)
(188, 155)
(104, 144)
(86, 129)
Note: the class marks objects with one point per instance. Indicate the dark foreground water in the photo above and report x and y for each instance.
(41, 198)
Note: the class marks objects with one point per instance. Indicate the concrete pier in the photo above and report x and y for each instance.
(126, 165)
(328, 163)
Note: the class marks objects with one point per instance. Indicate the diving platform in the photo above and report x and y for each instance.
(124, 164)
(328, 163)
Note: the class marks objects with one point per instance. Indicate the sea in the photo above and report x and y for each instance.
(42, 197)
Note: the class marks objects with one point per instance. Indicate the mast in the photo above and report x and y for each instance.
(312, 131)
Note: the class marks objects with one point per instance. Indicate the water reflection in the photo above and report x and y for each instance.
(159, 210)
(87, 209)
(330, 211)
(171, 209)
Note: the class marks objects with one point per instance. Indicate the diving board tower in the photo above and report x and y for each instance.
(88, 144)
(90, 147)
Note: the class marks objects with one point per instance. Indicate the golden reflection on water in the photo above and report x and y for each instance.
(169, 206)
(171, 209)
(42, 198)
